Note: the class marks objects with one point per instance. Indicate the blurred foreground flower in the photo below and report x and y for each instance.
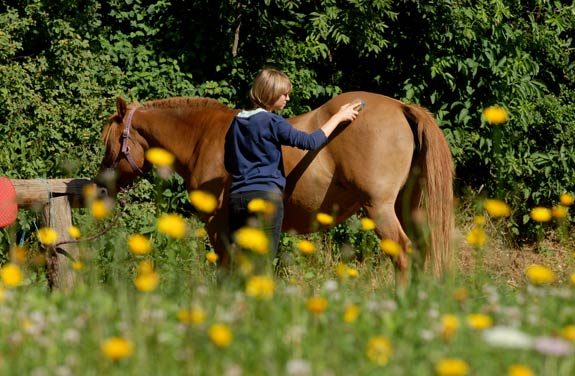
(479, 321)
(449, 326)
(253, 239)
(11, 275)
(324, 219)
(559, 211)
(367, 224)
(159, 157)
(47, 236)
(77, 265)
(194, 315)
(212, 257)
(496, 208)
(379, 350)
(221, 335)
(100, 209)
(539, 274)
(203, 201)
(343, 271)
(316, 305)
(390, 247)
(553, 346)
(519, 370)
(260, 286)
(306, 247)
(540, 214)
(476, 237)
(172, 225)
(74, 232)
(452, 367)
(139, 244)
(507, 337)
(147, 279)
(350, 313)
(567, 199)
(568, 333)
(495, 115)
(259, 205)
(116, 348)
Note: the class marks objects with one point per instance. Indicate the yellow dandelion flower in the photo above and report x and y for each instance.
(90, 192)
(379, 350)
(212, 257)
(496, 208)
(260, 286)
(11, 275)
(390, 247)
(352, 272)
(47, 236)
(100, 209)
(221, 335)
(145, 266)
(568, 332)
(476, 237)
(351, 313)
(567, 199)
(74, 232)
(495, 115)
(203, 201)
(559, 211)
(139, 244)
(342, 270)
(317, 305)
(324, 219)
(367, 224)
(539, 274)
(540, 214)
(449, 326)
(519, 370)
(159, 157)
(253, 239)
(77, 265)
(479, 220)
(172, 225)
(194, 315)
(306, 247)
(147, 282)
(259, 205)
(117, 348)
(460, 294)
(18, 255)
(452, 367)
(479, 321)
(200, 233)
(572, 278)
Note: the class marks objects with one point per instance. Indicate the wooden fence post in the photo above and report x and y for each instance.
(55, 198)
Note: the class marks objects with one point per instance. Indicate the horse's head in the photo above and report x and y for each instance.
(124, 158)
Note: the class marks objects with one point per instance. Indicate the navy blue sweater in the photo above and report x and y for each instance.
(253, 150)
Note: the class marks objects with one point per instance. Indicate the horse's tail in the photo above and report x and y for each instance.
(433, 173)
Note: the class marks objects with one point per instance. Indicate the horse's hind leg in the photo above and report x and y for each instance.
(389, 227)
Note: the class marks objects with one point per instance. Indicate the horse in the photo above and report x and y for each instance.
(392, 160)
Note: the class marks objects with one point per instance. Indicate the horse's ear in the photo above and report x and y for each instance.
(121, 107)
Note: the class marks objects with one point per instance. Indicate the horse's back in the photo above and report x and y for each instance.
(365, 159)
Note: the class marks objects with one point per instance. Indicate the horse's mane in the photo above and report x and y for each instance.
(187, 102)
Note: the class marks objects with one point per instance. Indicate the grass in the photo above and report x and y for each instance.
(63, 333)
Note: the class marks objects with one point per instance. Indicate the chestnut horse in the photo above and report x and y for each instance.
(393, 161)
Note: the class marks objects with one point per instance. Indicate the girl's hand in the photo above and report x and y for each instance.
(349, 111)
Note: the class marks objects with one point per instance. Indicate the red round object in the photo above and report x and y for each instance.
(8, 205)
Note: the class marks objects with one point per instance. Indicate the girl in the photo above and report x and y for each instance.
(253, 150)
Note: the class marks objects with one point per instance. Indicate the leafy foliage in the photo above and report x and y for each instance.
(63, 62)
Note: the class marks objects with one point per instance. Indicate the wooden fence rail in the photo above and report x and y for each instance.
(55, 198)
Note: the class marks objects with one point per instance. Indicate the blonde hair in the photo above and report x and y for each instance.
(268, 86)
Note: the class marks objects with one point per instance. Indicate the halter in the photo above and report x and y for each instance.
(125, 150)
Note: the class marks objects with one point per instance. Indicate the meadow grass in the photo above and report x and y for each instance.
(321, 314)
